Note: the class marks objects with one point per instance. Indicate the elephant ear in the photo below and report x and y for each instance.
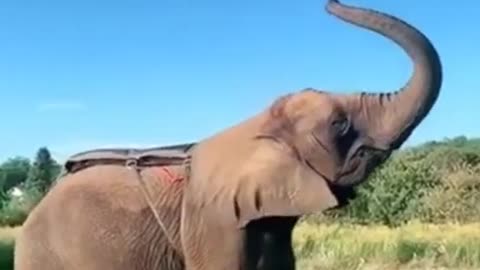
(235, 183)
(275, 184)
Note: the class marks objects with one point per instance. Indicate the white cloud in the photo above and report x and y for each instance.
(61, 105)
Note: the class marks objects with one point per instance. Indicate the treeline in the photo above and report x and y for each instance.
(436, 182)
(23, 183)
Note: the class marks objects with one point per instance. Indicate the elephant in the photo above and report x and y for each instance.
(239, 193)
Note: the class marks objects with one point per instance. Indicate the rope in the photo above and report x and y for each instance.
(132, 164)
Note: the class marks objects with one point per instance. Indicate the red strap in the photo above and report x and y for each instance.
(171, 177)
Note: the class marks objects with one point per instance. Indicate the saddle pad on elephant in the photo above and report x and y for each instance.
(155, 156)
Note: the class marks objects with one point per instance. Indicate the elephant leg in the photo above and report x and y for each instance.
(269, 243)
(208, 245)
(262, 245)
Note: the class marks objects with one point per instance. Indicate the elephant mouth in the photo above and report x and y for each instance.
(329, 180)
(350, 169)
(338, 176)
(359, 169)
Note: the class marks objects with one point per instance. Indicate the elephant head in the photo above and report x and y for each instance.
(295, 156)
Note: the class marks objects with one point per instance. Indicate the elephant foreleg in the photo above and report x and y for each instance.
(262, 245)
(269, 244)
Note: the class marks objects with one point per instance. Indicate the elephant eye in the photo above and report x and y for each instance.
(340, 126)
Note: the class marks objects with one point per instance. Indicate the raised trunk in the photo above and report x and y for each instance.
(397, 114)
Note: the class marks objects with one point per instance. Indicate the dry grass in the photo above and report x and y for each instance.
(414, 246)
(349, 247)
(8, 234)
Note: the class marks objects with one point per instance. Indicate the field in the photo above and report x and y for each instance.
(413, 246)
(348, 247)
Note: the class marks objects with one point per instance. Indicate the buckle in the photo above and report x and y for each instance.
(131, 163)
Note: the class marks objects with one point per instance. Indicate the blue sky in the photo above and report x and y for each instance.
(81, 74)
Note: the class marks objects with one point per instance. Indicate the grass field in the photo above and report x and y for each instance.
(348, 247)
(413, 246)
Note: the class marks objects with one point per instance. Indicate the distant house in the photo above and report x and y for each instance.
(16, 192)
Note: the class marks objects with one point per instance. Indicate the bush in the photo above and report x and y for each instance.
(457, 199)
(14, 210)
(439, 184)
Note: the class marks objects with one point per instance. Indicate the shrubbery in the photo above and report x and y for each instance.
(435, 182)
(31, 179)
(14, 210)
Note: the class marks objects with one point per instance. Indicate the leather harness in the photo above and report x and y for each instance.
(136, 159)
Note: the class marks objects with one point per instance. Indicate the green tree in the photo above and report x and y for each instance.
(13, 172)
(43, 171)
